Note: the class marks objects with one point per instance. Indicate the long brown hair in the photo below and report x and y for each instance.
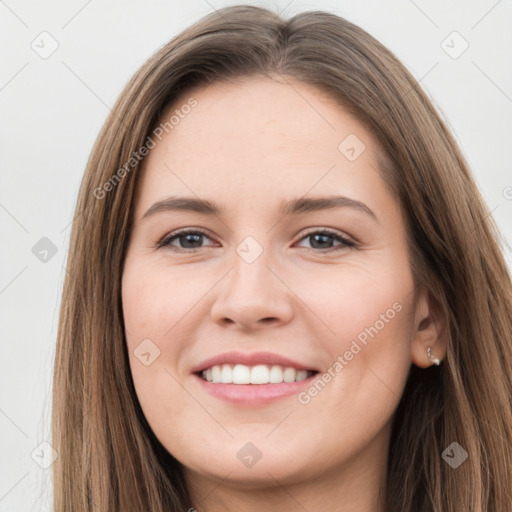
(109, 459)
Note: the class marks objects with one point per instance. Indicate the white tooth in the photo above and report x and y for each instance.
(276, 375)
(289, 374)
(226, 375)
(241, 374)
(301, 375)
(216, 371)
(260, 374)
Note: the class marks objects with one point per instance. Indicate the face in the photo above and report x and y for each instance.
(323, 289)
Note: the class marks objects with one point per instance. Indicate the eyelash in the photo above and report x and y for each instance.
(166, 241)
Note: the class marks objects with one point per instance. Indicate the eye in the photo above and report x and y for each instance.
(321, 240)
(190, 237)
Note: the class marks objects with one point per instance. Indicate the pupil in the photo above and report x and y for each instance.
(324, 237)
(186, 237)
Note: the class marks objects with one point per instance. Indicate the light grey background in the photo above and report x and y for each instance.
(52, 109)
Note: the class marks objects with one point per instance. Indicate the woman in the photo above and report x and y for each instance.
(208, 360)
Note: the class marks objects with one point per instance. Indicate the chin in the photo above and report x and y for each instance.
(250, 467)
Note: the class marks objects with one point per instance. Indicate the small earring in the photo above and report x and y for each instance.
(432, 358)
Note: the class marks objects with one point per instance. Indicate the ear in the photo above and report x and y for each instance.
(429, 330)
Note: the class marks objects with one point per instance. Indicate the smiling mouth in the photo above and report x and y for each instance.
(257, 374)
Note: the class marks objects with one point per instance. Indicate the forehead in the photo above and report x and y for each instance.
(255, 111)
(255, 139)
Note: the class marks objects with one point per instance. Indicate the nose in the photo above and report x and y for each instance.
(253, 296)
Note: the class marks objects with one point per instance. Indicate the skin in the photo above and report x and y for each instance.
(247, 146)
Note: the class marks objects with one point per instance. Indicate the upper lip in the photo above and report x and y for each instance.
(249, 359)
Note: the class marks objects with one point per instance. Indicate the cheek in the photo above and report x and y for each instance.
(154, 300)
(356, 302)
(151, 309)
(365, 320)
(159, 308)
(143, 308)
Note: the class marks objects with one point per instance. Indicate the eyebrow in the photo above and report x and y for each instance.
(291, 207)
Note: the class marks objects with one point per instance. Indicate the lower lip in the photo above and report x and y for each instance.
(253, 394)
